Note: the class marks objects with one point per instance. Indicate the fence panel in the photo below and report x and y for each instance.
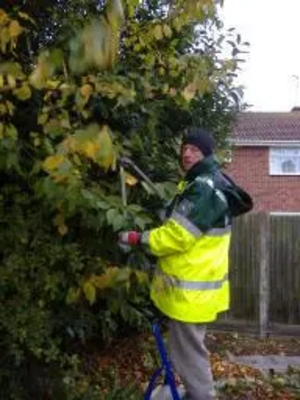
(283, 270)
(244, 269)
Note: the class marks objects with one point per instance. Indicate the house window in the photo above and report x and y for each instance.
(284, 161)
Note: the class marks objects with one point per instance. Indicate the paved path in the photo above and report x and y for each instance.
(277, 363)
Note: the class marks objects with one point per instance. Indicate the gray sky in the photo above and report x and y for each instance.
(273, 29)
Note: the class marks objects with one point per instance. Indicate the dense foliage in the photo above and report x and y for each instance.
(81, 86)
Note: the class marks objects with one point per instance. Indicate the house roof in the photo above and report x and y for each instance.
(266, 127)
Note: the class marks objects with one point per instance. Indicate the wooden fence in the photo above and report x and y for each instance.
(265, 274)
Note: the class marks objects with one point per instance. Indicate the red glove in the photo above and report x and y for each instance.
(132, 238)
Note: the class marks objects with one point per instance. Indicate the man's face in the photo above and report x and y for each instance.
(190, 155)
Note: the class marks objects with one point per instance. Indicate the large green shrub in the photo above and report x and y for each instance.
(66, 117)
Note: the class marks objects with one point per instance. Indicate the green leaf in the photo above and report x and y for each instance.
(111, 215)
(43, 118)
(11, 132)
(131, 7)
(102, 205)
(136, 208)
(119, 222)
(72, 295)
(142, 221)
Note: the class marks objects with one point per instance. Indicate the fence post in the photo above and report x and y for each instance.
(264, 279)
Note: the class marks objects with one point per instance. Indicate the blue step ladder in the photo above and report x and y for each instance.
(165, 368)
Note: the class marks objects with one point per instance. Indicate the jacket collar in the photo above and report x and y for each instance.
(205, 166)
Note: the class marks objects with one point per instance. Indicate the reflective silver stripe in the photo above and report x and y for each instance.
(190, 227)
(186, 224)
(221, 196)
(192, 285)
(219, 231)
(205, 179)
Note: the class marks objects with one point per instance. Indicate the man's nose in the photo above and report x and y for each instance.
(187, 152)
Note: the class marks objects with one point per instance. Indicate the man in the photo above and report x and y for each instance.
(191, 284)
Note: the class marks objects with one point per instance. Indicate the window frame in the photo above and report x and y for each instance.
(275, 171)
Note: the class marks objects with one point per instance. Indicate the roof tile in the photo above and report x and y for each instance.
(267, 126)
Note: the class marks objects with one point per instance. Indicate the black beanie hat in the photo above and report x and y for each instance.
(200, 138)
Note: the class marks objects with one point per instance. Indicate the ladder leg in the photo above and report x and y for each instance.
(166, 364)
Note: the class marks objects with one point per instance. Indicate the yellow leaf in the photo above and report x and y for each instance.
(89, 291)
(3, 109)
(165, 89)
(43, 118)
(93, 144)
(66, 87)
(52, 126)
(1, 81)
(130, 179)
(69, 144)
(161, 71)
(115, 11)
(204, 86)
(23, 93)
(90, 149)
(37, 142)
(60, 178)
(73, 295)
(42, 72)
(158, 33)
(172, 92)
(15, 29)
(177, 23)
(52, 84)
(167, 30)
(143, 277)
(106, 155)
(11, 80)
(4, 39)
(189, 91)
(115, 277)
(137, 47)
(105, 280)
(3, 16)
(86, 90)
(62, 229)
(53, 162)
(59, 221)
(98, 43)
(26, 17)
(10, 107)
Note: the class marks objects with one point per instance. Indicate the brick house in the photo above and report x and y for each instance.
(265, 159)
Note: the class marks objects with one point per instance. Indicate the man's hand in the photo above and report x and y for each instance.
(131, 238)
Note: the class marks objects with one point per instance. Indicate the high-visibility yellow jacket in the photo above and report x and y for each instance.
(191, 280)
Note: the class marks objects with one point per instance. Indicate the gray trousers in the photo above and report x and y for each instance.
(190, 359)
